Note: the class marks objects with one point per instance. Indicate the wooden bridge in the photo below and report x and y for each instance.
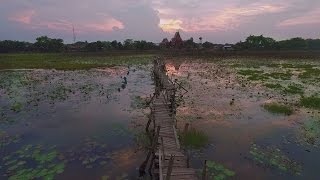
(168, 161)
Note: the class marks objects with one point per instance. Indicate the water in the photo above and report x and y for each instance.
(90, 118)
(233, 117)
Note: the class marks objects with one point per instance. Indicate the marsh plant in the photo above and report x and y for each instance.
(276, 108)
(311, 131)
(193, 138)
(312, 102)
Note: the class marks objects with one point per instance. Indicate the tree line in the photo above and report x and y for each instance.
(267, 43)
(46, 44)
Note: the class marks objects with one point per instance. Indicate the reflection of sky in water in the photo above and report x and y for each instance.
(64, 108)
(233, 127)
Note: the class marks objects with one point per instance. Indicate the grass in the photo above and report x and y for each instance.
(194, 139)
(69, 61)
(278, 109)
(312, 102)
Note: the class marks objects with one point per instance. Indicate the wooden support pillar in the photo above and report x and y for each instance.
(204, 171)
(169, 171)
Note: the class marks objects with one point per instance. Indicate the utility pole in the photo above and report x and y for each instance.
(74, 34)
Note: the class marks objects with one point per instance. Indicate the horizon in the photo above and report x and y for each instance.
(230, 21)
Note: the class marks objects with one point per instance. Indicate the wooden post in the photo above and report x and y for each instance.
(204, 171)
(186, 128)
(171, 161)
(162, 146)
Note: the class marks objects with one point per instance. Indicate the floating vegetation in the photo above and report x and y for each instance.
(273, 86)
(91, 154)
(311, 131)
(249, 72)
(310, 73)
(16, 107)
(33, 162)
(217, 171)
(282, 76)
(5, 139)
(273, 157)
(278, 108)
(297, 66)
(294, 89)
(253, 75)
(194, 139)
(312, 102)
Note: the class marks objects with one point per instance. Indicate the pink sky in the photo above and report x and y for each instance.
(216, 21)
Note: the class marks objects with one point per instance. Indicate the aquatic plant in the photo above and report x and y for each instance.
(273, 157)
(16, 107)
(90, 154)
(249, 72)
(217, 171)
(311, 131)
(194, 139)
(310, 73)
(273, 86)
(278, 108)
(32, 162)
(282, 76)
(312, 102)
(143, 139)
(6, 139)
(294, 89)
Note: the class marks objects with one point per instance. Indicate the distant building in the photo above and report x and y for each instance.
(176, 41)
(227, 47)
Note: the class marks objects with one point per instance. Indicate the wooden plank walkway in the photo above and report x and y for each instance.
(170, 161)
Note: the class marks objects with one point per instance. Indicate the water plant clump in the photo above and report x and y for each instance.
(217, 171)
(91, 154)
(311, 131)
(310, 73)
(282, 76)
(273, 157)
(276, 108)
(312, 102)
(294, 89)
(6, 139)
(273, 86)
(194, 139)
(253, 75)
(33, 162)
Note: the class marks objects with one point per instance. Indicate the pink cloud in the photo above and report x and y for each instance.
(24, 17)
(108, 25)
(220, 20)
(312, 17)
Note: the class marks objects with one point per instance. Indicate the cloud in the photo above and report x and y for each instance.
(312, 17)
(227, 18)
(218, 21)
(24, 17)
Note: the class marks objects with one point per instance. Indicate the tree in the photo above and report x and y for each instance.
(297, 43)
(208, 45)
(45, 44)
(128, 44)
